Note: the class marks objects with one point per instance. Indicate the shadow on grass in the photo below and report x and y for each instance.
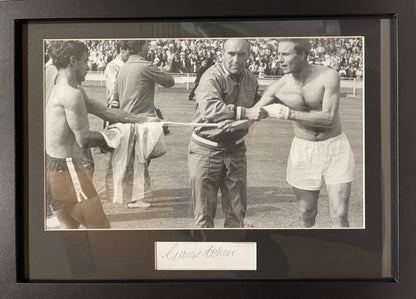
(175, 203)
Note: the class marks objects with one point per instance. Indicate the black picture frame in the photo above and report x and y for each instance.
(13, 169)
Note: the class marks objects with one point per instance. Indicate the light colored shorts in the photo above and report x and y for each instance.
(310, 161)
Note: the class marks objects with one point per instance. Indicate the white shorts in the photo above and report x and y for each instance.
(310, 161)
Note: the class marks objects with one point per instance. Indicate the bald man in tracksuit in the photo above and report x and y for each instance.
(217, 157)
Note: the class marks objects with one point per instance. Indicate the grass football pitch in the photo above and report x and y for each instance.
(271, 202)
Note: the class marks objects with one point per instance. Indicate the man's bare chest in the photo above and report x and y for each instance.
(303, 98)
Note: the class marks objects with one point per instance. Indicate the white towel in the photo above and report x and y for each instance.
(113, 133)
(136, 143)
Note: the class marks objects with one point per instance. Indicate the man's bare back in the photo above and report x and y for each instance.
(66, 117)
(74, 196)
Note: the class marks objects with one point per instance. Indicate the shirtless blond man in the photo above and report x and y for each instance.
(309, 96)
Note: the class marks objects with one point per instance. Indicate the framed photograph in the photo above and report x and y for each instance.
(207, 151)
(159, 196)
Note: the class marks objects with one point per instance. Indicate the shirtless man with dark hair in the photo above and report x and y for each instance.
(308, 95)
(69, 105)
(74, 197)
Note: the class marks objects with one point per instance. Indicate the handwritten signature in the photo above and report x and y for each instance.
(175, 253)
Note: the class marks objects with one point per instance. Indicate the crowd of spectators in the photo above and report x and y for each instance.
(185, 56)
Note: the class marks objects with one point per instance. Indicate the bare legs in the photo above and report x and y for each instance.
(338, 195)
(308, 206)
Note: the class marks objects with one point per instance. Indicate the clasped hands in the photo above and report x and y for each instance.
(256, 114)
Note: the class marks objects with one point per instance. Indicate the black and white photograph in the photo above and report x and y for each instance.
(201, 133)
(175, 148)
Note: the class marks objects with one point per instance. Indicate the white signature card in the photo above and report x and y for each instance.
(205, 256)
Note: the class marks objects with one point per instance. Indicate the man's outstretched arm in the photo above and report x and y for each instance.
(110, 114)
(323, 118)
(330, 104)
(77, 118)
(269, 95)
